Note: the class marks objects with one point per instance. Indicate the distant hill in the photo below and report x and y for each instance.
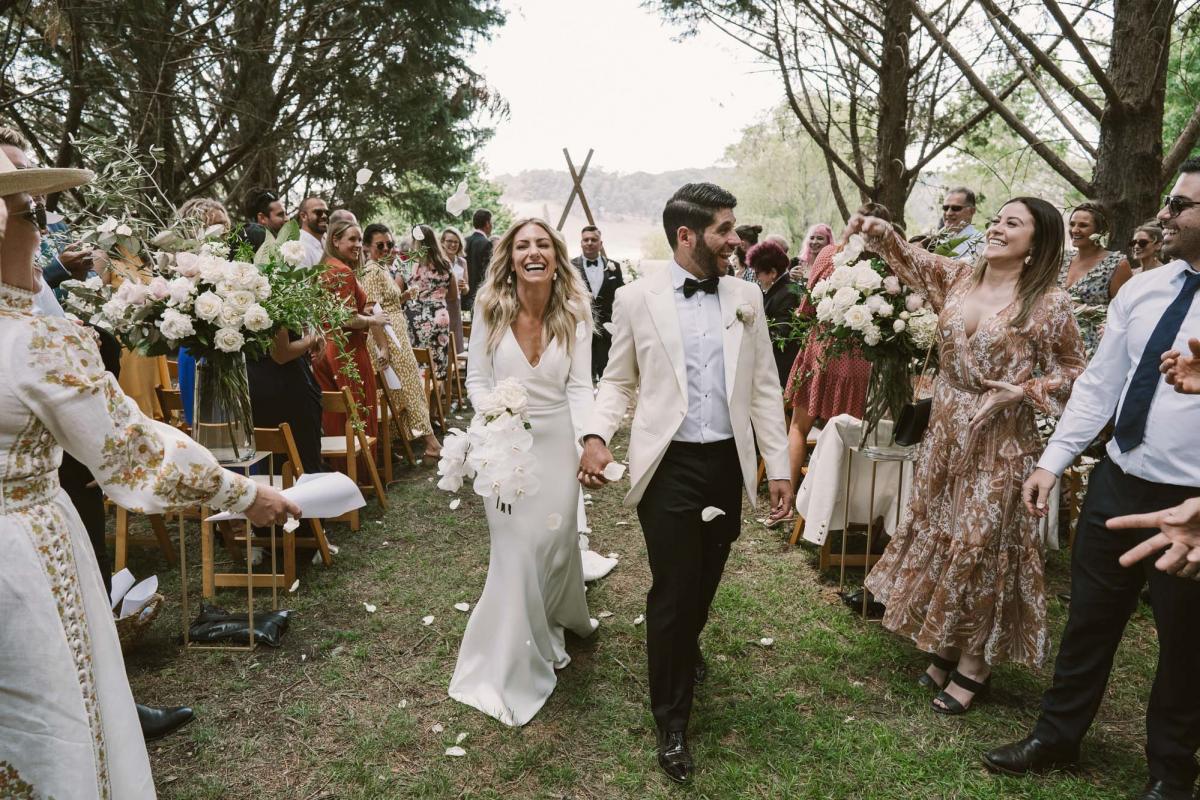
(635, 194)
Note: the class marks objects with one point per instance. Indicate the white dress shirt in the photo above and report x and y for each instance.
(314, 251)
(969, 249)
(45, 303)
(1170, 451)
(595, 273)
(707, 417)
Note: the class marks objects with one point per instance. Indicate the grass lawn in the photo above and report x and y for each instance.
(354, 705)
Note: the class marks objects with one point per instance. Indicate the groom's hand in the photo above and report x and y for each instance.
(781, 498)
(596, 457)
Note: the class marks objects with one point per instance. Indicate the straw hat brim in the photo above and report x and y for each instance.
(39, 180)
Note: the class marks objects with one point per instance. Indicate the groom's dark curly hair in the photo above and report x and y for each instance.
(694, 206)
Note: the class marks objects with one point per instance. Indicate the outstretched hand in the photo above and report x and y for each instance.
(867, 226)
(1183, 372)
(596, 456)
(1178, 535)
(270, 507)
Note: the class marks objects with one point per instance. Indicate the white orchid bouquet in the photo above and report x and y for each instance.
(861, 307)
(495, 449)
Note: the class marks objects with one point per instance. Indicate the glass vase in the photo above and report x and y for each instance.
(889, 390)
(222, 420)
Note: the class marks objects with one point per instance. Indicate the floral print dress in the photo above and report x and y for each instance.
(68, 724)
(965, 567)
(429, 314)
(1090, 291)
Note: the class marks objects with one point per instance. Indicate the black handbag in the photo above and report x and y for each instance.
(914, 417)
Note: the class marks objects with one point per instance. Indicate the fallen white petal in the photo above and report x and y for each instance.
(622, 523)
(438, 727)
(766, 641)
(291, 524)
(455, 751)
(604, 614)
(847, 720)
(455, 503)
(427, 620)
(384, 543)
(639, 619)
(614, 471)
(304, 656)
(587, 497)
(612, 555)
(403, 704)
(710, 513)
(587, 502)
(295, 585)
(369, 607)
(459, 739)
(462, 606)
(333, 548)
(554, 522)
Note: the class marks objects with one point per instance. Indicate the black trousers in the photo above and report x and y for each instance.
(601, 342)
(1103, 596)
(687, 557)
(89, 502)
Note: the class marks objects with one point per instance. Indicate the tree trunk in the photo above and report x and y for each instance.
(253, 119)
(891, 136)
(1129, 161)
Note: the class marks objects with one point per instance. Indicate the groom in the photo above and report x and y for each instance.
(693, 346)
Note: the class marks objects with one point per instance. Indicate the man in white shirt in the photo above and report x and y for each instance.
(693, 346)
(603, 277)
(314, 220)
(1151, 463)
(958, 211)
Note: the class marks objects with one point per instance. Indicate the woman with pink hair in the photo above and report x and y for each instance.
(819, 237)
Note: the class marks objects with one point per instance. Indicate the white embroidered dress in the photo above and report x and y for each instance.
(68, 725)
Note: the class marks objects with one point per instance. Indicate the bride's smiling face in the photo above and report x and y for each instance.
(533, 258)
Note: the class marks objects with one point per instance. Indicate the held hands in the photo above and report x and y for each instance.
(270, 507)
(867, 226)
(1183, 372)
(1178, 533)
(1000, 396)
(781, 498)
(1036, 491)
(596, 456)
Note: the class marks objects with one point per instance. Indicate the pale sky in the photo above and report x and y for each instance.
(607, 74)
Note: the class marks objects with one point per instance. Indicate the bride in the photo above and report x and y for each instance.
(532, 322)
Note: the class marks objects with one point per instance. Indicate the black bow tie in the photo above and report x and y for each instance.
(592, 264)
(691, 286)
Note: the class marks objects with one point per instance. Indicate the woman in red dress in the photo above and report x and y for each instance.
(343, 250)
(820, 388)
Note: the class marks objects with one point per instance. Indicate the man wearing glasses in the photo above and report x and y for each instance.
(958, 209)
(1150, 464)
(314, 219)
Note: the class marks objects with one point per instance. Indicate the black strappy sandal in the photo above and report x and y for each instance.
(950, 705)
(946, 665)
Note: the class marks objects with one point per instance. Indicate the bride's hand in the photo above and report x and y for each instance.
(596, 456)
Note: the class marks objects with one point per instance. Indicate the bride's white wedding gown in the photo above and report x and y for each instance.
(514, 640)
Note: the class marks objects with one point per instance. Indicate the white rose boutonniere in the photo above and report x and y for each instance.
(744, 314)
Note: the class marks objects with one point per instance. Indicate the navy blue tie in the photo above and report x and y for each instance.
(1131, 423)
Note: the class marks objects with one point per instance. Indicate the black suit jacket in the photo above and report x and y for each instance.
(602, 303)
(779, 305)
(479, 255)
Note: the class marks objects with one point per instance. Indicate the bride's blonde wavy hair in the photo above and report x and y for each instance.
(497, 303)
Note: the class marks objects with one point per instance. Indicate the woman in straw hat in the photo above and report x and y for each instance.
(68, 726)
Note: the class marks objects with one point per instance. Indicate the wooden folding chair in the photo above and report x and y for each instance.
(172, 408)
(349, 447)
(390, 414)
(282, 445)
(172, 374)
(433, 394)
(122, 540)
(456, 393)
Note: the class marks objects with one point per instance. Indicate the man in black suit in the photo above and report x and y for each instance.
(603, 277)
(479, 254)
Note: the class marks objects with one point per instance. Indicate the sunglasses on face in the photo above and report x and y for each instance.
(35, 213)
(384, 245)
(955, 209)
(1177, 204)
(1139, 243)
(320, 212)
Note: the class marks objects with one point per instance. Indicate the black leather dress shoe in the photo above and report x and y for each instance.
(701, 670)
(1028, 755)
(158, 722)
(674, 756)
(1158, 790)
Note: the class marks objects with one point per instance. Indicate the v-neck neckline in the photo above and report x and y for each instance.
(521, 350)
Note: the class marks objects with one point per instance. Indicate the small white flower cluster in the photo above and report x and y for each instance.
(876, 307)
(495, 448)
(226, 294)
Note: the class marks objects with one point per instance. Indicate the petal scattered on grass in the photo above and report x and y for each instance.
(612, 555)
(427, 620)
(369, 607)
(604, 615)
(403, 704)
(438, 727)
(766, 641)
(614, 471)
(710, 513)
(462, 606)
(639, 619)
(456, 751)
(295, 585)
(459, 739)
(455, 503)
(622, 523)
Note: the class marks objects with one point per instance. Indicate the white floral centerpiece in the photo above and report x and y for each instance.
(495, 449)
(862, 307)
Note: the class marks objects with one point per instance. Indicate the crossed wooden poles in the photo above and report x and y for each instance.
(577, 189)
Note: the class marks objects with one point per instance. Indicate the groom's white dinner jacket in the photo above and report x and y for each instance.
(647, 357)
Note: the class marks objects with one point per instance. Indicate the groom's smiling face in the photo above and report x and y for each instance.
(712, 248)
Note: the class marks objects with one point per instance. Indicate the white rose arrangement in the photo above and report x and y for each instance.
(495, 449)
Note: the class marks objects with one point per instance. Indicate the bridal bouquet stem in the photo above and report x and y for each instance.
(495, 449)
(861, 307)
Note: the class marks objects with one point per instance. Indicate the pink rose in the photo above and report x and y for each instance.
(891, 284)
(187, 264)
(914, 302)
(159, 288)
